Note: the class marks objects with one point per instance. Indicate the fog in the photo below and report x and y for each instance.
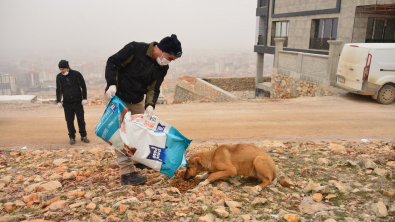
(48, 27)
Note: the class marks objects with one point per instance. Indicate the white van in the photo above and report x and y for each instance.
(368, 69)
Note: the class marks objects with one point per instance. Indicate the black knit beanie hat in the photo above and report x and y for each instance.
(64, 64)
(171, 45)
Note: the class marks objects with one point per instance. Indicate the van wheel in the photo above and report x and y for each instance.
(386, 95)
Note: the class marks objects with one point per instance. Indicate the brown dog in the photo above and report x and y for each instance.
(230, 160)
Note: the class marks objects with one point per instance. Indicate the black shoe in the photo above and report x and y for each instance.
(72, 141)
(85, 139)
(133, 179)
(141, 166)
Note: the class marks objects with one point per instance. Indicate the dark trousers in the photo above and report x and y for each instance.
(70, 111)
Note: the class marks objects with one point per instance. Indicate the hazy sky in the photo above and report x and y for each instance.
(55, 25)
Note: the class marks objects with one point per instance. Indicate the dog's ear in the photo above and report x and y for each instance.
(198, 163)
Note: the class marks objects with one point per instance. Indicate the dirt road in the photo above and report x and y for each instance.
(344, 117)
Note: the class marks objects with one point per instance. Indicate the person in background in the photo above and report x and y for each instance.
(138, 70)
(71, 85)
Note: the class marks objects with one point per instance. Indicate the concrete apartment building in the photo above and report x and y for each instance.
(7, 84)
(306, 37)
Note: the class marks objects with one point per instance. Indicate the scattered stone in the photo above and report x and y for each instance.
(9, 219)
(224, 186)
(292, 217)
(383, 172)
(7, 179)
(337, 148)
(95, 218)
(344, 188)
(235, 182)
(221, 212)
(106, 210)
(391, 211)
(9, 207)
(379, 209)
(127, 201)
(207, 218)
(311, 186)
(323, 162)
(57, 162)
(322, 189)
(58, 205)
(309, 206)
(251, 190)
(69, 176)
(48, 199)
(286, 182)
(20, 203)
(259, 201)
(91, 206)
(352, 163)
(317, 197)
(149, 192)
(391, 163)
(369, 164)
(49, 186)
(77, 205)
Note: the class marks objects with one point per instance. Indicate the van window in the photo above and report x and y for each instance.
(385, 56)
(354, 55)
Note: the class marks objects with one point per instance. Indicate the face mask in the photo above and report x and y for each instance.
(162, 62)
(65, 74)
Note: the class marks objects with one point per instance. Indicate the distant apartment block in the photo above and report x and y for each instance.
(33, 79)
(306, 26)
(7, 84)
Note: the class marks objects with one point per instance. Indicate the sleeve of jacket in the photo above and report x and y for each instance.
(82, 85)
(118, 59)
(58, 90)
(153, 92)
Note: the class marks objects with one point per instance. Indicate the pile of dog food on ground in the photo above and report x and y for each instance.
(181, 184)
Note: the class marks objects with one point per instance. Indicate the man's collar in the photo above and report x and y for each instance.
(149, 51)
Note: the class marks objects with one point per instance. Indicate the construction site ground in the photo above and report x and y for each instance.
(341, 117)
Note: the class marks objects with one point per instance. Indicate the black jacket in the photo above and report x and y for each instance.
(72, 87)
(135, 73)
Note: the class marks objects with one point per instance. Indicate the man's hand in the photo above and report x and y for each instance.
(60, 105)
(84, 102)
(111, 91)
(150, 111)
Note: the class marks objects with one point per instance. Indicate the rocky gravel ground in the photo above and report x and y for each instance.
(317, 181)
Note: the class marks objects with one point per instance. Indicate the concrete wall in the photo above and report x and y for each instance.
(300, 26)
(213, 92)
(303, 74)
(233, 84)
(286, 6)
(203, 90)
(304, 66)
(184, 95)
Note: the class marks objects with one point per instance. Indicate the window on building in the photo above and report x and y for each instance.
(322, 30)
(280, 30)
(263, 3)
(380, 30)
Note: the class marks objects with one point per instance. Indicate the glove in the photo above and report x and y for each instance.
(150, 111)
(84, 102)
(111, 91)
(60, 105)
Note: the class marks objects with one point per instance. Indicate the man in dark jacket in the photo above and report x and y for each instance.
(138, 69)
(71, 85)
